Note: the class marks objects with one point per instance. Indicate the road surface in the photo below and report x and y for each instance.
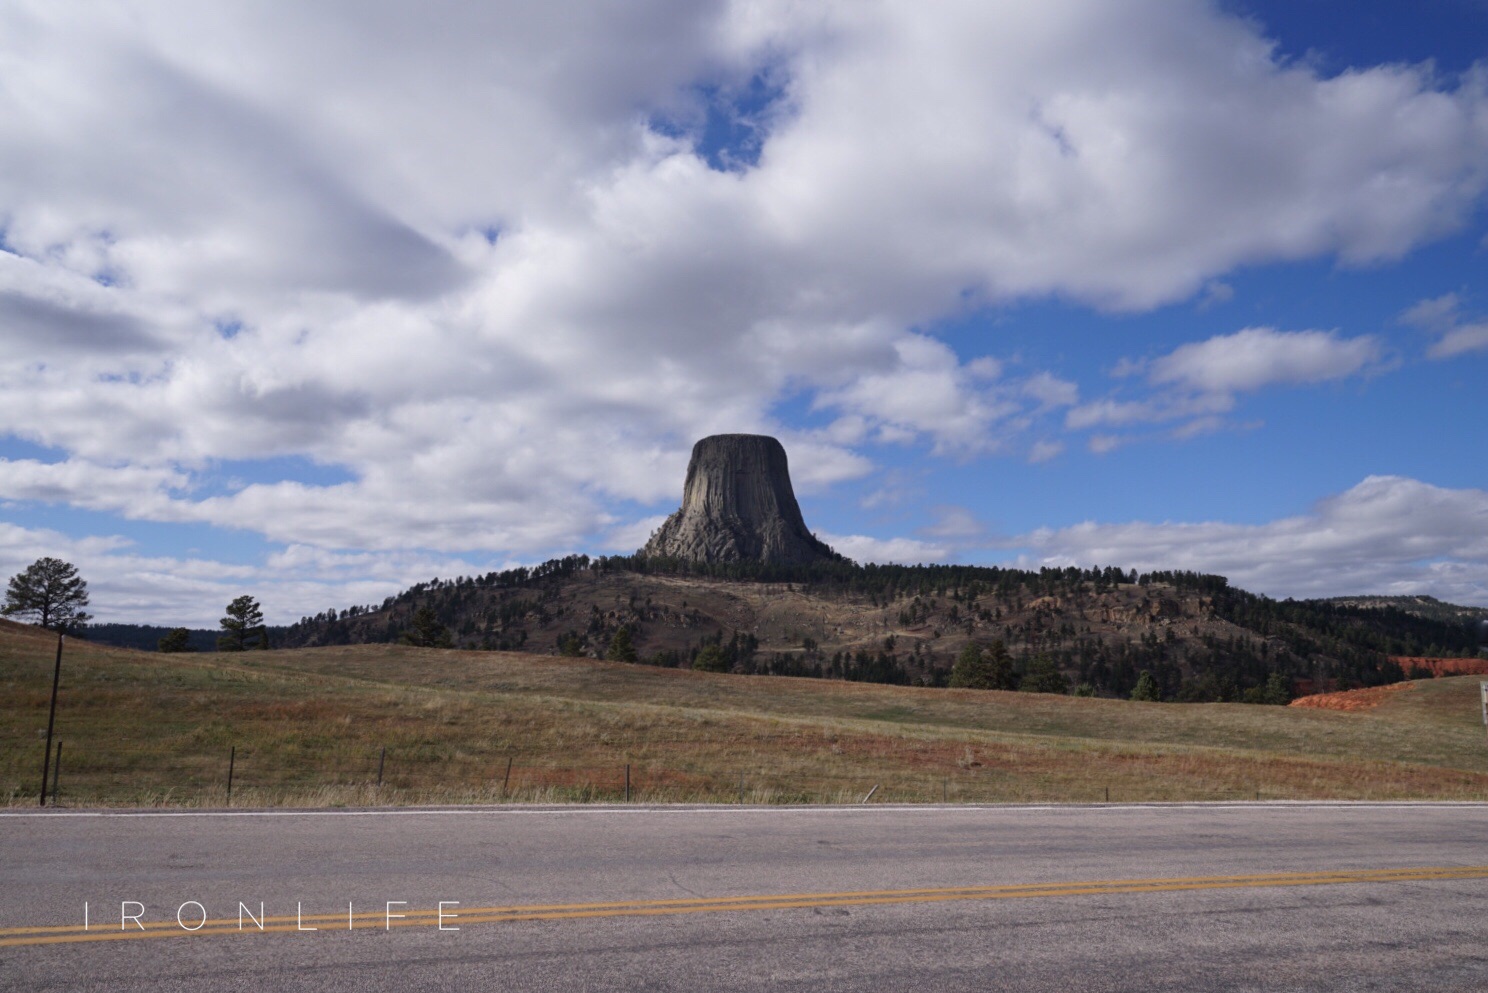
(1099, 898)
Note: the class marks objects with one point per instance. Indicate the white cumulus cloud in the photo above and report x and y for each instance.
(1443, 317)
(1254, 358)
(902, 551)
(473, 256)
(1198, 382)
(1386, 535)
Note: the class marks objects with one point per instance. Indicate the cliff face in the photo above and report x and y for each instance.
(738, 506)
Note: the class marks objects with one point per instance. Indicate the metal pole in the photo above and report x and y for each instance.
(232, 758)
(46, 759)
(627, 782)
(507, 781)
(56, 771)
(741, 787)
(380, 763)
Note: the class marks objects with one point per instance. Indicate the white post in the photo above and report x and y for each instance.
(1483, 688)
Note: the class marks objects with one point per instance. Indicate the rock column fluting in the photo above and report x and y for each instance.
(738, 506)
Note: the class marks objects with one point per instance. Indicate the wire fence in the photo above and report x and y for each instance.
(334, 778)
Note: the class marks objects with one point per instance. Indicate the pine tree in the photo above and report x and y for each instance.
(622, 649)
(1000, 671)
(710, 659)
(426, 631)
(51, 592)
(1278, 690)
(971, 670)
(178, 640)
(243, 627)
(1044, 677)
(1146, 688)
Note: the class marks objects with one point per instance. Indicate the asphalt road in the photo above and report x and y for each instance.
(1233, 897)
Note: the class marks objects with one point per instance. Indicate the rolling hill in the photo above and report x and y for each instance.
(314, 726)
(1200, 638)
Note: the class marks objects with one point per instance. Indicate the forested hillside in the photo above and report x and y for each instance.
(1093, 631)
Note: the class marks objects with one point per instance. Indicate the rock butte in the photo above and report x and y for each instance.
(738, 506)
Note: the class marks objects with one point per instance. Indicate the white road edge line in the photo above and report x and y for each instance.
(774, 811)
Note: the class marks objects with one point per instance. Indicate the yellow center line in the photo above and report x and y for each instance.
(456, 916)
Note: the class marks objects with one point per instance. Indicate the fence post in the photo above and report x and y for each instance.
(870, 793)
(380, 763)
(46, 756)
(945, 791)
(627, 782)
(232, 758)
(507, 781)
(56, 770)
(741, 787)
(1108, 794)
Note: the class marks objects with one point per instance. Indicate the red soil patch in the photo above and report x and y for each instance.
(1442, 667)
(1353, 700)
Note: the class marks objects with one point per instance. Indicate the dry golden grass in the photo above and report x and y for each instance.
(309, 727)
(1354, 701)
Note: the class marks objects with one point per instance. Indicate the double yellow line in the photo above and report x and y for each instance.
(454, 916)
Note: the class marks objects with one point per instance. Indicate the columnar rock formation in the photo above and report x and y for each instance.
(738, 506)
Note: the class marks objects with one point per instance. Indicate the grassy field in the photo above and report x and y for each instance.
(309, 728)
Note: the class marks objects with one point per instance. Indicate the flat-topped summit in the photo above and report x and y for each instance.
(738, 506)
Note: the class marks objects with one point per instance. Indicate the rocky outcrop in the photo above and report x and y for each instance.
(1148, 611)
(738, 506)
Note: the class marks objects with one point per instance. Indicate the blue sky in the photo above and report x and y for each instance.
(315, 304)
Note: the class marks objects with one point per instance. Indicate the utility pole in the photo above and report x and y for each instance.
(46, 761)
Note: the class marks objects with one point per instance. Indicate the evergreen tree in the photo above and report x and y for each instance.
(971, 670)
(1278, 690)
(622, 649)
(426, 631)
(177, 640)
(1043, 676)
(1000, 669)
(711, 659)
(1146, 688)
(49, 591)
(243, 627)
(989, 668)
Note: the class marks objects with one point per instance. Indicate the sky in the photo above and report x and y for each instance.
(316, 301)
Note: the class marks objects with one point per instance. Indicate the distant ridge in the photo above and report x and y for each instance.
(1200, 638)
(1420, 605)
